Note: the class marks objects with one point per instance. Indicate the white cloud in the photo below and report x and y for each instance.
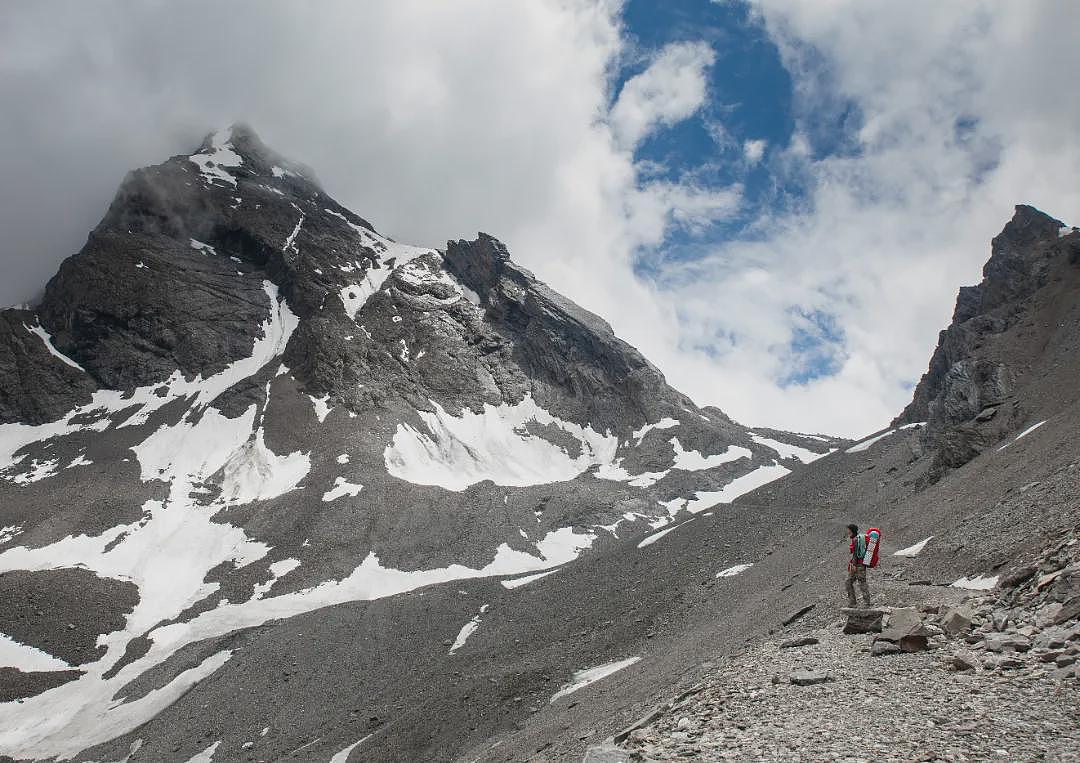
(670, 90)
(754, 150)
(965, 113)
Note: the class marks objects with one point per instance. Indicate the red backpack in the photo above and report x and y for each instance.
(873, 540)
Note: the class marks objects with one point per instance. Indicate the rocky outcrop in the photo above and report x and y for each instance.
(35, 385)
(971, 395)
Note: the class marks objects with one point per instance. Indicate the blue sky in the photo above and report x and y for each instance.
(749, 101)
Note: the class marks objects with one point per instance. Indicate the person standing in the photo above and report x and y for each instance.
(856, 570)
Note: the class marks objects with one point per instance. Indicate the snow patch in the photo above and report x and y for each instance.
(27, 658)
(340, 489)
(693, 461)
(467, 630)
(46, 339)
(913, 550)
(977, 583)
(322, 407)
(278, 569)
(207, 755)
(664, 423)
(220, 154)
(651, 539)
(1025, 433)
(731, 572)
(786, 450)
(518, 582)
(583, 678)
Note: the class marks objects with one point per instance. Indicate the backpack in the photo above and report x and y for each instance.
(873, 540)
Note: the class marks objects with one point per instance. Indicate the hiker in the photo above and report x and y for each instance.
(856, 568)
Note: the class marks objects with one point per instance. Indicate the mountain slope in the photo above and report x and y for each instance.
(240, 415)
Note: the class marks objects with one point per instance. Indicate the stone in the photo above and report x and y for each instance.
(957, 620)
(792, 617)
(905, 629)
(1006, 642)
(1016, 576)
(884, 648)
(1070, 610)
(808, 677)
(964, 660)
(1063, 673)
(1065, 660)
(863, 620)
(791, 643)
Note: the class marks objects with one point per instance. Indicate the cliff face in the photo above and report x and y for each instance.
(1014, 327)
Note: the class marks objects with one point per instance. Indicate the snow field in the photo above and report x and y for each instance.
(459, 451)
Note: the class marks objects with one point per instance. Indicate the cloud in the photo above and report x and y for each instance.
(435, 120)
(754, 150)
(671, 89)
(962, 113)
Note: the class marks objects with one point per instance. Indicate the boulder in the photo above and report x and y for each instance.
(964, 660)
(808, 677)
(1070, 610)
(1006, 642)
(957, 620)
(905, 629)
(796, 642)
(884, 648)
(1016, 576)
(793, 616)
(863, 620)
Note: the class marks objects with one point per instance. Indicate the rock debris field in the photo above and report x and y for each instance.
(991, 676)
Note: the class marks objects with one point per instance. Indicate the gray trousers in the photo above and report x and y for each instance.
(857, 574)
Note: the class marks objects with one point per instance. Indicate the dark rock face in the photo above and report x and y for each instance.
(558, 342)
(35, 386)
(971, 396)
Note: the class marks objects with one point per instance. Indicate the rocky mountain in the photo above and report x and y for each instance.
(275, 486)
(1012, 341)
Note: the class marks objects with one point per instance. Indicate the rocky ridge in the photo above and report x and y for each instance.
(1008, 333)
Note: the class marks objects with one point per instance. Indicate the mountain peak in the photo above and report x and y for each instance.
(224, 151)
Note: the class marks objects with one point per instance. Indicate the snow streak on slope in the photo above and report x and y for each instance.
(731, 572)
(467, 630)
(788, 451)
(859, 447)
(583, 678)
(46, 339)
(459, 451)
(1023, 434)
(913, 550)
(355, 296)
